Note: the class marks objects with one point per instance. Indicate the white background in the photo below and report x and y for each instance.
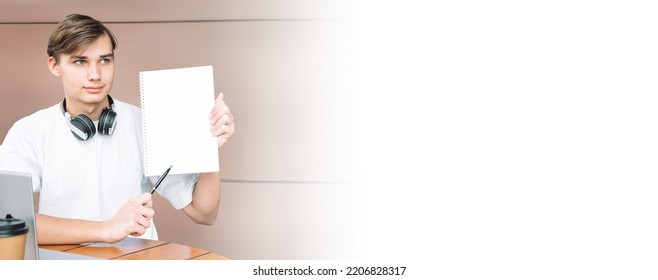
(512, 139)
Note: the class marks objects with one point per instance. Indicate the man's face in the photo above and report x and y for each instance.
(87, 76)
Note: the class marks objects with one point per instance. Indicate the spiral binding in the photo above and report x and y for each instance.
(143, 105)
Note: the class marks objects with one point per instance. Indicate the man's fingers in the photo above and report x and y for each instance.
(219, 103)
(146, 212)
(142, 199)
(143, 222)
(223, 120)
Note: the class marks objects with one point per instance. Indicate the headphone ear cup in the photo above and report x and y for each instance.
(107, 122)
(82, 127)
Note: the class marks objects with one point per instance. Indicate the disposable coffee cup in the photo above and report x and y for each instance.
(13, 233)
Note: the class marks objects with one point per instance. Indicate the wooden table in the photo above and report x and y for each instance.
(137, 249)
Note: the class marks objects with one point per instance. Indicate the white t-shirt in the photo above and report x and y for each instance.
(91, 179)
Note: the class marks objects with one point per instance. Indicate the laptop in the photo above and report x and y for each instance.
(16, 198)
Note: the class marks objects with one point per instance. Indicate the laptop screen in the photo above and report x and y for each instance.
(16, 199)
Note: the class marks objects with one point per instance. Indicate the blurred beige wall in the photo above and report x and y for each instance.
(286, 172)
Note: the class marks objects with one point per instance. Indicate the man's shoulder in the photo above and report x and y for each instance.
(38, 121)
(121, 104)
(124, 107)
(43, 116)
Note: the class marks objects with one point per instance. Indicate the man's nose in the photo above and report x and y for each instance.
(94, 72)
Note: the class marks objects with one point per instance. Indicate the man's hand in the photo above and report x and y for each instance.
(132, 219)
(221, 121)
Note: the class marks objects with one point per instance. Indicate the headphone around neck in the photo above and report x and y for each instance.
(83, 127)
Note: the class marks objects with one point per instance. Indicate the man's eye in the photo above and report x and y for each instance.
(79, 62)
(105, 61)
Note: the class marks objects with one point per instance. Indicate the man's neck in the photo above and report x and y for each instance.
(91, 110)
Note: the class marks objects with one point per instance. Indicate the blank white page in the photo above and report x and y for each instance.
(175, 108)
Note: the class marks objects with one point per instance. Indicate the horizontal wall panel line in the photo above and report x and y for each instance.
(185, 21)
(283, 182)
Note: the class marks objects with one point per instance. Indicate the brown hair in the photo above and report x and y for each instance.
(75, 32)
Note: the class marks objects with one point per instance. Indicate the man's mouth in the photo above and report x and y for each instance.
(94, 89)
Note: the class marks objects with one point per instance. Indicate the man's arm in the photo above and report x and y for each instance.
(132, 219)
(54, 230)
(205, 200)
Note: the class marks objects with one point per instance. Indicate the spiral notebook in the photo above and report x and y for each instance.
(175, 107)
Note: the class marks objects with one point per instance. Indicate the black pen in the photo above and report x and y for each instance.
(160, 179)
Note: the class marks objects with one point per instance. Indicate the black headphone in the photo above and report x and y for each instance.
(83, 128)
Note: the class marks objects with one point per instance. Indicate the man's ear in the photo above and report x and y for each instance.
(53, 66)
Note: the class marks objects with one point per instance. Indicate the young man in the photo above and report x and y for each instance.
(91, 184)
